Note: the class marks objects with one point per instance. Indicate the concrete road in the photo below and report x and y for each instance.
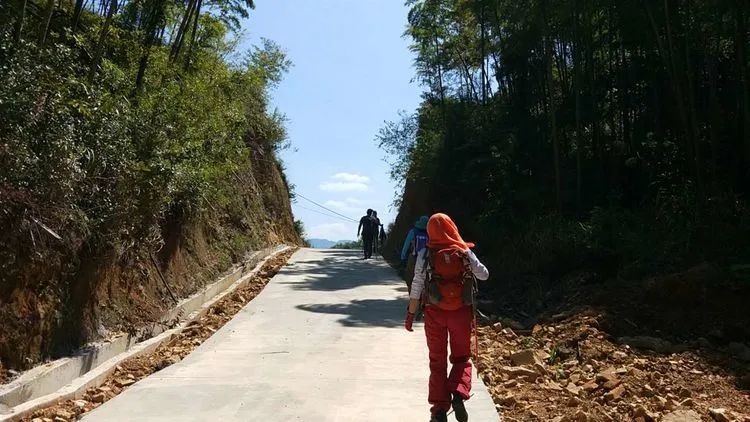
(323, 342)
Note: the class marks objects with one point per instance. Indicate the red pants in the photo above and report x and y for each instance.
(439, 325)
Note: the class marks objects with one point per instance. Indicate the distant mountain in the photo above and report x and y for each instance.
(321, 243)
(324, 243)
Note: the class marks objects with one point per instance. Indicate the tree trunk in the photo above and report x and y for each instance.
(178, 41)
(470, 88)
(102, 40)
(439, 72)
(194, 35)
(624, 97)
(553, 124)
(153, 22)
(482, 53)
(577, 88)
(692, 115)
(503, 88)
(743, 126)
(77, 11)
(591, 66)
(610, 77)
(559, 55)
(18, 30)
(44, 29)
(668, 58)
(715, 112)
(677, 84)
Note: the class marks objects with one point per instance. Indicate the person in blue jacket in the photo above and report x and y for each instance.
(415, 241)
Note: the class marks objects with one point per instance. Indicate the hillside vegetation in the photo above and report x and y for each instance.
(606, 140)
(137, 162)
(598, 153)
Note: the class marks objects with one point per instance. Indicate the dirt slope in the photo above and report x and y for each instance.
(49, 309)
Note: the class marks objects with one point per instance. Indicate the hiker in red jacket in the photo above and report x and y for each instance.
(444, 282)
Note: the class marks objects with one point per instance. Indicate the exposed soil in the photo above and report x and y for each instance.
(169, 353)
(58, 295)
(570, 370)
(672, 348)
(4, 374)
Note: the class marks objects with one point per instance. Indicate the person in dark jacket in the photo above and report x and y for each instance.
(367, 229)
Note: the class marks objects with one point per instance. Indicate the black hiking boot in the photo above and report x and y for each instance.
(459, 409)
(439, 417)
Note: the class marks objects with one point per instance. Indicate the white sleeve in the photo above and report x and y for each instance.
(420, 274)
(479, 270)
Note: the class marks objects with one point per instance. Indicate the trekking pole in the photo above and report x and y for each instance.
(475, 327)
(474, 291)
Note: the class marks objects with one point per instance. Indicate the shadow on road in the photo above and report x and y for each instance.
(364, 313)
(338, 270)
(345, 270)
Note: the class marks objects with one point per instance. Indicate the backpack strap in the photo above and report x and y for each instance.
(429, 262)
(468, 273)
(427, 269)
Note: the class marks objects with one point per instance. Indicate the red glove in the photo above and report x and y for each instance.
(409, 321)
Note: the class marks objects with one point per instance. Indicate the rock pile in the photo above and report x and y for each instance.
(571, 371)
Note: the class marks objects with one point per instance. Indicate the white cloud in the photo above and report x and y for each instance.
(351, 178)
(346, 182)
(332, 231)
(344, 187)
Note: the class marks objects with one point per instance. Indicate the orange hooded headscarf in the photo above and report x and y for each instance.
(443, 234)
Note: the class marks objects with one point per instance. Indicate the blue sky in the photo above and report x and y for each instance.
(352, 71)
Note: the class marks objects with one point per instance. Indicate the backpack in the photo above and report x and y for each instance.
(450, 282)
(368, 225)
(420, 241)
(375, 226)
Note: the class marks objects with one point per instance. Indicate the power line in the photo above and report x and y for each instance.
(335, 214)
(323, 213)
(325, 208)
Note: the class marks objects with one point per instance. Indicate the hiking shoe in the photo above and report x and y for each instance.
(439, 417)
(459, 409)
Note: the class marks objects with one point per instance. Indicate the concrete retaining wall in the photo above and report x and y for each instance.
(64, 378)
